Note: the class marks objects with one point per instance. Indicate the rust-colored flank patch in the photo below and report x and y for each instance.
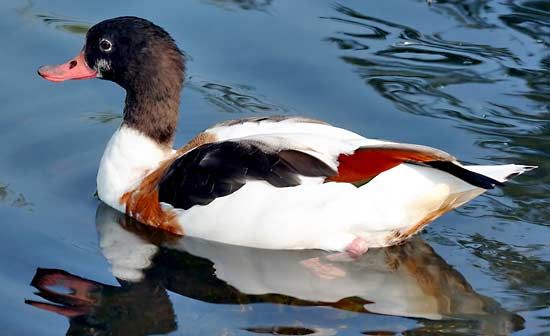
(365, 163)
(143, 204)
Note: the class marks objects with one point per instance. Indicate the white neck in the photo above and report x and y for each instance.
(128, 157)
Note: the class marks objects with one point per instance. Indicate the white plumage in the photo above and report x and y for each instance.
(314, 214)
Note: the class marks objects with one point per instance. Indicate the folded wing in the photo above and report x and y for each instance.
(219, 169)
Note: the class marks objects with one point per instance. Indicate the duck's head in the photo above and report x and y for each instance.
(125, 50)
(142, 58)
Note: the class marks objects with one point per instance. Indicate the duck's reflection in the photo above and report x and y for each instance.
(408, 281)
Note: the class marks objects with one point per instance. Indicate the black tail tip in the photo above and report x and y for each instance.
(475, 179)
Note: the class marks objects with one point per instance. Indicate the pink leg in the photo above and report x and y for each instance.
(354, 250)
(357, 247)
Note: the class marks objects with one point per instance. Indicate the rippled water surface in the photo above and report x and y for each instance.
(469, 77)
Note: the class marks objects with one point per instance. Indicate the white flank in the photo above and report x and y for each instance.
(327, 216)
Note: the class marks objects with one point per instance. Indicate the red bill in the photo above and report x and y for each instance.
(76, 68)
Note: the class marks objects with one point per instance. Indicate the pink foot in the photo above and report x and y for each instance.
(357, 247)
(324, 271)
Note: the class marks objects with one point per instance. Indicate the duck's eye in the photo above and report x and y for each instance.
(105, 45)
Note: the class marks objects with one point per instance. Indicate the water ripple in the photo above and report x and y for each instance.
(68, 25)
(234, 98)
(61, 22)
(531, 18)
(524, 274)
(467, 13)
(14, 199)
(258, 5)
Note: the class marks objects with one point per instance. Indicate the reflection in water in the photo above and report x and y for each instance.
(94, 308)
(408, 280)
(424, 74)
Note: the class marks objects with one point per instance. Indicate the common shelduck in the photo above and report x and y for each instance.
(273, 182)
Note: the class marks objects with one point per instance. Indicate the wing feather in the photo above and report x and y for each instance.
(219, 169)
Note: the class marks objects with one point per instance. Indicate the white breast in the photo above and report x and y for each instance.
(128, 157)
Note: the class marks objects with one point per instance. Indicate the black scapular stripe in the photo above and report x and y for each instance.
(462, 173)
(219, 169)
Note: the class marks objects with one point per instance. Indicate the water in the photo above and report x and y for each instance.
(469, 77)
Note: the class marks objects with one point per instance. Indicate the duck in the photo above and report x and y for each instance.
(273, 182)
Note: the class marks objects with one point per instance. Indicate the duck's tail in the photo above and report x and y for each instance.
(497, 174)
(460, 193)
(410, 196)
(501, 173)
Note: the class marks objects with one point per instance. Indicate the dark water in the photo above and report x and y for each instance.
(469, 77)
